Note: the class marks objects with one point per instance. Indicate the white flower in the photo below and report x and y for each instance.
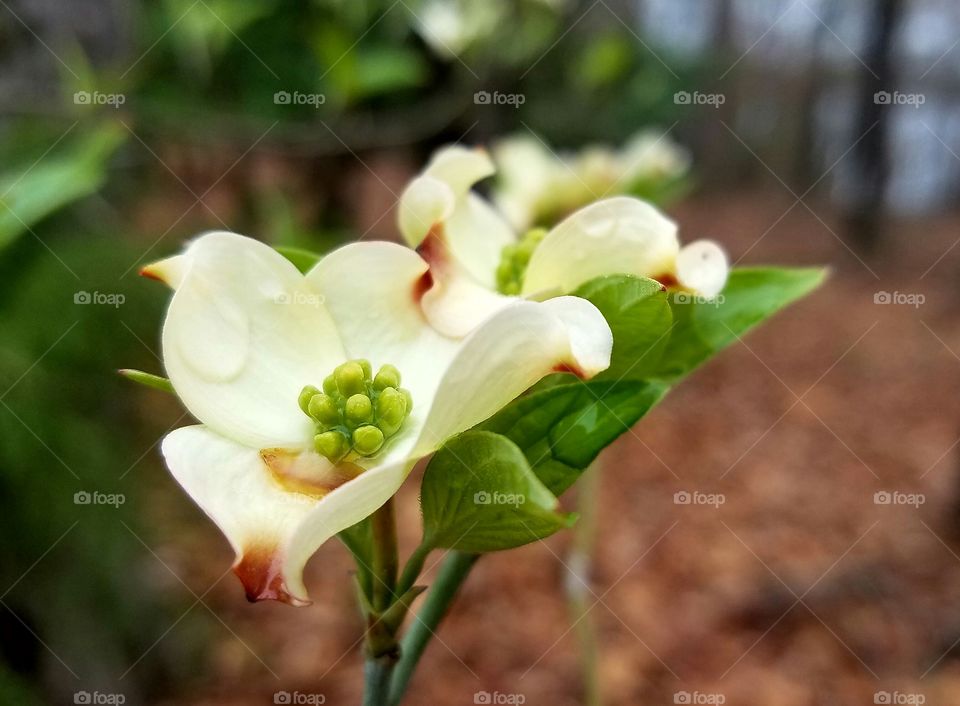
(534, 183)
(246, 332)
(478, 261)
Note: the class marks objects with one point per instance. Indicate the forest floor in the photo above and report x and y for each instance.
(799, 589)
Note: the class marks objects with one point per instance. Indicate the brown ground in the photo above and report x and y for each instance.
(798, 590)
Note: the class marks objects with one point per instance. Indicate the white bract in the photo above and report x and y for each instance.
(480, 265)
(246, 332)
(534, 183)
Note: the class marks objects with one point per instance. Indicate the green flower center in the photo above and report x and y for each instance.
(514, 260)
(356, 411)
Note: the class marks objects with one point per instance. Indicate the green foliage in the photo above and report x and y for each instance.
(639, 315)
(562, 429)
(751, 296)
(304, 260)
(30, 193)
(147, 379)
(479, 494)
(658, 340)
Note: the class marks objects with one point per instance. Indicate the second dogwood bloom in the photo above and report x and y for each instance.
(480, 263)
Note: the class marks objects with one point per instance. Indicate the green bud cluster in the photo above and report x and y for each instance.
(356, 411)
(514, 260)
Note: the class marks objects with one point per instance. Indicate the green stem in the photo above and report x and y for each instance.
(580, 566)
(451, 576)
(376, 677)
(382, 650)
(384, 524)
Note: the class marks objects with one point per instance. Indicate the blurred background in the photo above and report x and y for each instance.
(794, 132)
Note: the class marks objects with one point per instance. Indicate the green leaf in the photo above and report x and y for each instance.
(703, 328)
(480, 495)
(147, 379)
(562, 429)
(30, 193)
(639, 316)
(304, 260)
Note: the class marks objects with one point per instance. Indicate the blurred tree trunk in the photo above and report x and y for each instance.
(719, 154)
(870, 158)
(807, 157)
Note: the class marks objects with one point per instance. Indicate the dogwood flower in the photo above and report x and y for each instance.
(535, 185)
(480, 265)
(317, 393)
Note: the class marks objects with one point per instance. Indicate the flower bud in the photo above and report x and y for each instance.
(350, 378)
(388, 376)
(367, 440)
(391, 410)
(332, 444)
(330, 386)
(358, 410)
(324, 409)
(307, 394)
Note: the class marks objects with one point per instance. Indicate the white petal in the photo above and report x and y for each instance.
(274, 527)
(373, 291)
(460, 167)
(425, 202)
(702, 266)
(510, 352)
(456, 304)
(476, 235)
(620, 235)
(474, 232)
(243, 334)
